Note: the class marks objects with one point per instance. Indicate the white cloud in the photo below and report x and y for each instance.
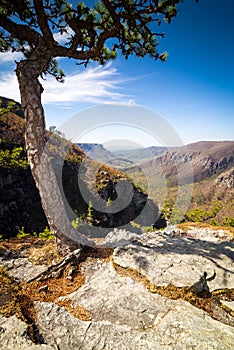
(9, 56)
(95, 85)
(63, 38)
(9, 86)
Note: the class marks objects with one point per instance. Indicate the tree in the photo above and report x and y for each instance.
(97, 34)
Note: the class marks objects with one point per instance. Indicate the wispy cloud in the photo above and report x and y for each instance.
(94, 85)
(99, 84)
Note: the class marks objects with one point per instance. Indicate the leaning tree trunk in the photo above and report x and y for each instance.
(42, 161)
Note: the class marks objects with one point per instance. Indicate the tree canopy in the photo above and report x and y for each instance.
(94, 33)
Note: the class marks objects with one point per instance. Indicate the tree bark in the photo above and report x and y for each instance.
(43, 160)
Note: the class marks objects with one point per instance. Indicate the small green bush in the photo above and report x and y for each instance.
(21, 233)
(229, 222)
(46, 234)
(135, 225)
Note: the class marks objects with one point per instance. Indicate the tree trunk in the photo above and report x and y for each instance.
(42, 161)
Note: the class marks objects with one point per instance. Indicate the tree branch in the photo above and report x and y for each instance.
(42, 21)
(61, 51)
(20, 31)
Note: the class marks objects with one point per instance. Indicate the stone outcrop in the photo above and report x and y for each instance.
(126, 313)
(165, 259)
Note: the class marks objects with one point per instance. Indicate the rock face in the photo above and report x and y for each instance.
(19, 267)
(125, 314)
(20, 204)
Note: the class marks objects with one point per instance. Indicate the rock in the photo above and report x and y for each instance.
(172, 230)
(182, 327)
(119, 237)
(13, 335)
(124, 314)
(209, 235)
(21, 268)
(19, 202)
(181, 261)
(116, 299)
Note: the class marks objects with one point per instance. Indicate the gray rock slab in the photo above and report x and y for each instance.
(119, 237)
(21, 268)
(183, 327)
(209, 235)
(13, 335)
(119, 300)
(180, 260)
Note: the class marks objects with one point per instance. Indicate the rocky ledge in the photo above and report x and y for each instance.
(159, 290)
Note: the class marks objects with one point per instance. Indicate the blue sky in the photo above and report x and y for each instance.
(193, 91)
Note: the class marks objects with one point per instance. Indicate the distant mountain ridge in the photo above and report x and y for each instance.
(120, 159)
(207, 165)
(96, 151)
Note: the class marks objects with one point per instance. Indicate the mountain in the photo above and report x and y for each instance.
(139, 154)
(207, 166)
(98, 152)
(120, 159)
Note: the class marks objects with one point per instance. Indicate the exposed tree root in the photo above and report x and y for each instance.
(71, 261)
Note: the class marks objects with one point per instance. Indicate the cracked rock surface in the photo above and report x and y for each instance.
(13, 335)
(180, 260)
(19, 266)
(181, 327)
(124, 314)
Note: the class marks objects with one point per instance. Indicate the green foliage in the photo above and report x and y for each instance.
(22, 233)
(229, 222)
(146, 229)
(167, 209)
(108, 202)
(99, 32)
(54, 70)
(203, 214)
(9, 108)
(213, 222)
(171, 213)
(14, 159)
(46, 234)
(135, 225)
(85, 218)
(200, 198)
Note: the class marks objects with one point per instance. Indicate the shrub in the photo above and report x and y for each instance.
(46, 234)
(14, 159)
(228, 222)
(21, 233)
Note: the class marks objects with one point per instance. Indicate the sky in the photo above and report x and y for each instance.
(192, 92)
